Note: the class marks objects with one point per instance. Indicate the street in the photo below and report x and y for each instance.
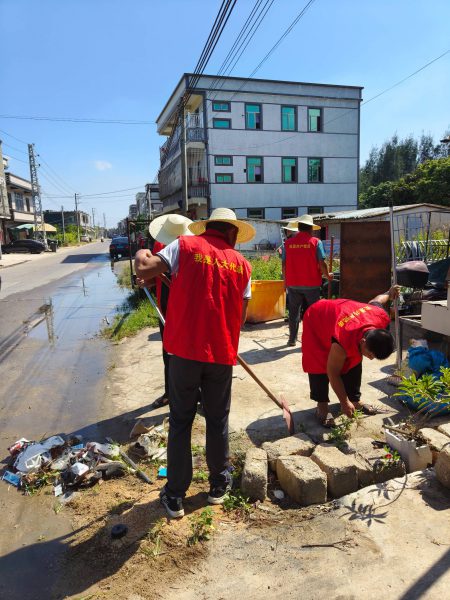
(52, 365)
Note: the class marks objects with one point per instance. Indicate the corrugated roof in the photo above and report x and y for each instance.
(372, 212)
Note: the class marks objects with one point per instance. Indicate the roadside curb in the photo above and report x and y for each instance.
(14, 265)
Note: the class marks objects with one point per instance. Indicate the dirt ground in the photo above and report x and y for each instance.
(389, 540)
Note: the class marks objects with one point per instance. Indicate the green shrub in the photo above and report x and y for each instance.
(266, 268)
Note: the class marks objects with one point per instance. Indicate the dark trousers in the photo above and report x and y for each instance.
(298, 303)
(185, 379)
(318, 385)
(166, 358)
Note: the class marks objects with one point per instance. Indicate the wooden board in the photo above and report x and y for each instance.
(365, 268)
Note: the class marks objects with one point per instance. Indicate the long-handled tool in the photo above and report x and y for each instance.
(330, 268)
(396, 377)
(281, 403)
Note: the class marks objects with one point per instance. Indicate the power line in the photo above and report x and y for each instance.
(14, 148)
(66, 185)
(14, 137)
(140, 187)
(15, 158)
(78, 120)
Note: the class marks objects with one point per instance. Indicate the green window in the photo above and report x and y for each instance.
(221, 106)
(315, 170)
(222, 123)
(314, 119)
(224, 178)
(289, 170)
(253, 118)
(254, 169)
(223, 160)
(288, 118)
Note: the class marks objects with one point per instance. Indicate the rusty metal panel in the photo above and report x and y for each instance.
(365, 268)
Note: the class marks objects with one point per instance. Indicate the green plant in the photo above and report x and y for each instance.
(198, 450)
(155, 537)
(200, 475)
(341, 432)
(201, 527)
(266, 268)
(390, 457)
(236, 502)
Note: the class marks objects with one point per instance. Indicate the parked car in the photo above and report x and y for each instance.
(32, 246)
(84, 238)
(119, 247)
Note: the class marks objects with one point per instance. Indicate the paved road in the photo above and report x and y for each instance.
(52, 377)
(39, 269)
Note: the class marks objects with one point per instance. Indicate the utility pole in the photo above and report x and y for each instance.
(104, 225)
(184, 175)
(77, 216)
(93, 221)
(36, 193)
(62, 223)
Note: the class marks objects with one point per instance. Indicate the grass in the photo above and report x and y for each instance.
(201, 527)
(135, 314)
(266, 268)
(237, 503)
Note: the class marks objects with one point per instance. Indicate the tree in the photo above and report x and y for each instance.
(430, 183)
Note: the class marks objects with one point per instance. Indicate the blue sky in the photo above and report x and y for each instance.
(117, 59)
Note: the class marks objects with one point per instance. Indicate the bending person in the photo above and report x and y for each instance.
(336, 336)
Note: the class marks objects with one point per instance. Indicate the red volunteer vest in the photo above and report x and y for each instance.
(204, 311)
(344, 320)
(157, 247)
(301, 266)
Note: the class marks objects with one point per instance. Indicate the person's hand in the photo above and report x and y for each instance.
(347, 408)
(144, 283)
(330, 276)
(394, 292)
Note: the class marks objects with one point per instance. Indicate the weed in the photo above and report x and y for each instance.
(236, 502)
(57, 507)
(341, 432)
(237, 465)
(41, 538)
(267, 268)
(135, 314)
(155, 536)
(391, 457)
(201, 527)
(200, 476)
(198, 450)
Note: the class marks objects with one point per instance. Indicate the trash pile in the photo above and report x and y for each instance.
(151, 443)
(67, 464)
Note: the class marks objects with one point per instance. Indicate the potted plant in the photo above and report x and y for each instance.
(429, 396)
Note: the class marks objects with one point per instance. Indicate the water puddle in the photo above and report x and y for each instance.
(80, 307)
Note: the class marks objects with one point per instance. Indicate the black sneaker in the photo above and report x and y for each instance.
(291, 343)
(174, 506)
(217, 494)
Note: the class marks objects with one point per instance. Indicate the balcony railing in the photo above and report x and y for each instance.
(194, 133)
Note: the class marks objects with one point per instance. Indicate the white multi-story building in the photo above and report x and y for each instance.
(148, 203)
(267, 149)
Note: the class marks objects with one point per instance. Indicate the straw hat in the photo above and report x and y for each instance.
(168, 228)
(307, 220)
(246, 231)
(291, 226)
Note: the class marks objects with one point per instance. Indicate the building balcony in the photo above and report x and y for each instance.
(195, 138)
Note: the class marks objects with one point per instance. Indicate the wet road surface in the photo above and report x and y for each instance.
(52, 376)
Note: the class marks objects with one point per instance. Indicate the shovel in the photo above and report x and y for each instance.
(281, 403)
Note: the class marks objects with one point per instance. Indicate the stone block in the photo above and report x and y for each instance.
(435, 439)
(299, 444)
(442, 467)
(340, 469)
(254, 474)
(445, 429)
(302, 479)
(370, 465)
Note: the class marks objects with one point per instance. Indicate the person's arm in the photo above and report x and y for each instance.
(335, 364)
(391, 294)
(244, 311)
(324, 269)
(148, 266)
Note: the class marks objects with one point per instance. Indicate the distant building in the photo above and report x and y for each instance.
(132, 211)
(267, 149)
(54, 217)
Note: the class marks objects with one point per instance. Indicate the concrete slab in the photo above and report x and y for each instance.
(444, 428)
(340, 469)
(435, 439)
(302, 480)
(442, 467)
(299, 444)
(254, 474)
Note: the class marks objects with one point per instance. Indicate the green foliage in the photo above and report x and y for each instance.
(341, 432)
(200, 475)
(155, 537)
(430, 182)
(426, 389)
(397, 158)
(391, 457)
(134, 315)
(198, 450)
(266, 268)
(201, 527)
(236, 502)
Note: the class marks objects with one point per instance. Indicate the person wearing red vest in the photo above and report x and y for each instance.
(164, 230)
(303, 266)
(336, 335)
(207, 306)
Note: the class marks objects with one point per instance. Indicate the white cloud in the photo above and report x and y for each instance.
(102, 165)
